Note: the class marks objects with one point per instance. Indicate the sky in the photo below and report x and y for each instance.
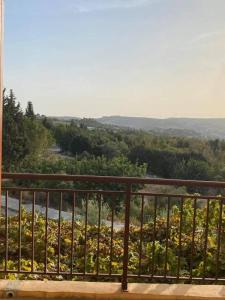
(92, 58)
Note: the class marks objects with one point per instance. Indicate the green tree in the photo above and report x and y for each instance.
(14, 137)
(30, 110)
(23, 135)
(192, 169)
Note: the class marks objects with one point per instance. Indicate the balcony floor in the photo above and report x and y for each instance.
(102, 290)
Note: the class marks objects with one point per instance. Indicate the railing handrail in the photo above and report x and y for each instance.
(114, 179)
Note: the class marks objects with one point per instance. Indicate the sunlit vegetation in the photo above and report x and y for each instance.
(182, 249)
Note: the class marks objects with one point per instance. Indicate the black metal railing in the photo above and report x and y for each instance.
(127, 230)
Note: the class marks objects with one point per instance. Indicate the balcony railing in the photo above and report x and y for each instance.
(120, 229)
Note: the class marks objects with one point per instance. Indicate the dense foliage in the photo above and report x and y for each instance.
(101, 166)
(23, 134)
(165, 156)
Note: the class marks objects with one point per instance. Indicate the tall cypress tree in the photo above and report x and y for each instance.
(30, 110)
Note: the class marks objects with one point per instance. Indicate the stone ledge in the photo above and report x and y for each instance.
(104, 290)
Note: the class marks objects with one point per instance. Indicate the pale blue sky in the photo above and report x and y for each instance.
(153, 58)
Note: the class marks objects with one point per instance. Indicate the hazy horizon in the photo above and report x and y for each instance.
(122, 116)
(135, 58)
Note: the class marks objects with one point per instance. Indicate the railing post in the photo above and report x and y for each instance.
(126, 237)
(1, 91)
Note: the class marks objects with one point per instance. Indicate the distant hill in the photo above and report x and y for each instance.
(88, 122)
(196, 127)
(64, 119)
(176, 132)
(188, 127)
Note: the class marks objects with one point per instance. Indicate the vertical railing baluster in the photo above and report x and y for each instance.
(59, 231)
(46, 232)
(72, 235)
(193, 237)
(33, 221)
(219, 237)
(99, 229)
(167, 235)
(206, 239)
(85, 233)
(180, 235)
(111, 239)
(6, 231)
(126, 237)
(19, 232)
(141, 234)
(154, 236)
